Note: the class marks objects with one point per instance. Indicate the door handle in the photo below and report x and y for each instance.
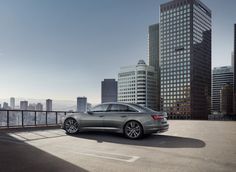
(101, 116)
(123, 116)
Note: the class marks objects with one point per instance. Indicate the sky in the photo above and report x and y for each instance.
(63, 49)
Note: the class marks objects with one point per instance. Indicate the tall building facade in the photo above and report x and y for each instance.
(226, 99)
(12, 103)
(81, 104)
(153, 55)
(220, 77)
(48, 105)
(109, 90)
(137, 84)
(23, 105)
(153, 45)
(185, 59)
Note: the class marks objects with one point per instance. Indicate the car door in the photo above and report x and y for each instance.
(116, 115)
(94, 118)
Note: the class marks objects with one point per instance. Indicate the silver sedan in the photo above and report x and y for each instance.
(130, 119)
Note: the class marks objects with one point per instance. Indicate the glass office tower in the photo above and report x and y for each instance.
(185, 59)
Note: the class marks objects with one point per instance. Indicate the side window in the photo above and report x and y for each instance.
(100, 108)
(121, 108)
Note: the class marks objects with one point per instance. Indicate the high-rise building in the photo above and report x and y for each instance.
(39, 106)
(109, 90)
(12, 103)
(185, 59)
(153, 45)
(48, 105)
(137, 84)
(23, 105)
(220, 77)
(153, 55)
(81, 104)
(226, 99)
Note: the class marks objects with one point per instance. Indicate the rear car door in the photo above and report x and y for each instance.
(116, 115)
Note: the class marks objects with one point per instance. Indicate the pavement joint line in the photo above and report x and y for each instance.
(93, 154)
(132, 159)
(28, 140)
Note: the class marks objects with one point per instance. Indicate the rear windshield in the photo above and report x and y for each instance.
(141, 108)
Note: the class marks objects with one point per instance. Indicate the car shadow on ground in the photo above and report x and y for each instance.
(154, 140)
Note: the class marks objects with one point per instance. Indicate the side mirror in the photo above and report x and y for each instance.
(90, 112)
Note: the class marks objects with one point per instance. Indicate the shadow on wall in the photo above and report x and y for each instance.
(18, 156)
(162, 141)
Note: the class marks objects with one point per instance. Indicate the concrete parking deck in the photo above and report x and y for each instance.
(187, 146)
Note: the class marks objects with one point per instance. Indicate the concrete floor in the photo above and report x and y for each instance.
(187, 146)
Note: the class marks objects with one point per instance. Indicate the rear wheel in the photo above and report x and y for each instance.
(133, 130)
(71, 126)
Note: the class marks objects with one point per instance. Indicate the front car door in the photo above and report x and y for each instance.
(94, 118)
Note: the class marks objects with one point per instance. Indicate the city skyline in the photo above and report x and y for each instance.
(57, 52)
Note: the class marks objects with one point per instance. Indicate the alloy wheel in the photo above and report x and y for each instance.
(71, 126)
(133, 130)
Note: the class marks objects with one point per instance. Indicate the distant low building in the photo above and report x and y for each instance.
(23, 105)
(39, 106)
(5, 105)
(32, 106)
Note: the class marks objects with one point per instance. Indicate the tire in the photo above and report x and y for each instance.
(71, 126)
(133, 130)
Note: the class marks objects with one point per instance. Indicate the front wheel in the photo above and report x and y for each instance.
(71, 126)
(133, 130)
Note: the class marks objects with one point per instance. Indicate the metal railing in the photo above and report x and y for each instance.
(27, 118)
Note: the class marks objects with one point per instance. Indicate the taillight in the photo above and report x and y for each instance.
(157, 117)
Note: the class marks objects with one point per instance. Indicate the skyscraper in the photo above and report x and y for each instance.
(12, 103)
(153, 55)
(220, 77)
(153, 45)
(109, 90)
(137, 84)
(185, 59)
(81, 104)
(23, 105)
(48, 105)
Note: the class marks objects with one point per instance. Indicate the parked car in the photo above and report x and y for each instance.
(130, 119)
